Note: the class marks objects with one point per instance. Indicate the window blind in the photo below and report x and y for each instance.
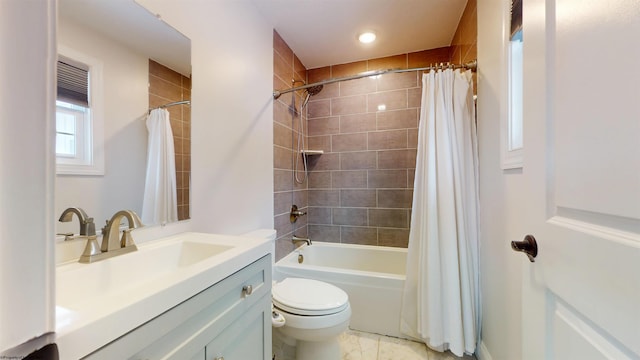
(516, 17)
(73, 83)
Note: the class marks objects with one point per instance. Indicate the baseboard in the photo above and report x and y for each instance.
(483, 353)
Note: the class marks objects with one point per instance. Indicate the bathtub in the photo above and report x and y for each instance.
(372, 276)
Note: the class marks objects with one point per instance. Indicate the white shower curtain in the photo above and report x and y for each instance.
(160, 203)
(441, 302)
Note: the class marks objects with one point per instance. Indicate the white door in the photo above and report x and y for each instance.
(581, 296)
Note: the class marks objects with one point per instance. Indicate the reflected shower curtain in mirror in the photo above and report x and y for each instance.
(160, 203)
(441, 300)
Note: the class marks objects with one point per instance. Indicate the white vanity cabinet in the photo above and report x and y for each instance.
(229, 320)
(244, 338)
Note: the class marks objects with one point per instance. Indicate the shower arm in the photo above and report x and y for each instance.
(471, 65)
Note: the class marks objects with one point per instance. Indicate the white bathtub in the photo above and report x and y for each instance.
(372, 276)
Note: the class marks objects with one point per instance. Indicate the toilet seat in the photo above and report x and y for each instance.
(309, 297)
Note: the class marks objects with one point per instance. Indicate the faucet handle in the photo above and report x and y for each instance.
(67, 236)
(295, 213)
(90, 227)
(127, 239)
(105, 228)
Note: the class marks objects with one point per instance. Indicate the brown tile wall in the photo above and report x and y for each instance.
(464, 43)
(286, 128)
(165, 86)
(361, 188)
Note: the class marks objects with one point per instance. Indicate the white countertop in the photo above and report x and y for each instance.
(87, 319)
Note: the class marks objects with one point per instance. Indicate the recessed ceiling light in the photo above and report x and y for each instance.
(367, 37)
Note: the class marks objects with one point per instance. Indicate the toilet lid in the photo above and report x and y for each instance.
(309, 297)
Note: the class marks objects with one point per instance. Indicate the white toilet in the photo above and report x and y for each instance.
(314, 313)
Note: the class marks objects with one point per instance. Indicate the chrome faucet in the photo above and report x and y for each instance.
(112, 244)
(87, 227)
(296, 239)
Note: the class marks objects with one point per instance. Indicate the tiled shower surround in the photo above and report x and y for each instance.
(287, 192)
(360, 190)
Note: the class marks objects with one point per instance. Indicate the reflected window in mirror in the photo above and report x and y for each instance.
(78, 117)
(73, 134)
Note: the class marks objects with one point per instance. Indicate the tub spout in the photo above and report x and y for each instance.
(296, 240)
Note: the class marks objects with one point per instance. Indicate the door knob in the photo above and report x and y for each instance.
(528, 246)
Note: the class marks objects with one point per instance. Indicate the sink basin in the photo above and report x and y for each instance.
(78, 283)
(190, 253)
(125, 291)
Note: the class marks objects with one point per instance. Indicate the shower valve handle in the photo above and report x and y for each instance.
(295, 214)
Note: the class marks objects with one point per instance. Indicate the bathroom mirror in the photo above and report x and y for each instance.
(139, 62)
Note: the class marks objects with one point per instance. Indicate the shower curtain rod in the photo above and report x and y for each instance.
(188, 102)
(471, 65)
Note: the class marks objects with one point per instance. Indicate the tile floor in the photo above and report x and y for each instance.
(358, 345)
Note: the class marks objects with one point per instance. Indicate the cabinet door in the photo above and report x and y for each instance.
(248, 338)
(199, 355)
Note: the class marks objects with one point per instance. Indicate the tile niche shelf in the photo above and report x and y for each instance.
(311, 152)
(310, 156)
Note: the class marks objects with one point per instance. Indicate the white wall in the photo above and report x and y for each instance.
(501, 196)
(27, 44)
(126, 100)
(232, 129)
(232, 141)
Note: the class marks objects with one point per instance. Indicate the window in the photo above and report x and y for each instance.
(515, 87)
(512, 129)
(78, 115)
(74, 140)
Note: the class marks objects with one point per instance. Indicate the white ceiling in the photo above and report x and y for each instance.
(325, 32)
(320, 32)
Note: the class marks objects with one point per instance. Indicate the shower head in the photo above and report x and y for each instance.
(314, 90)
(311, 91)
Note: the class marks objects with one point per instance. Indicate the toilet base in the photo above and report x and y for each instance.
(318, 350)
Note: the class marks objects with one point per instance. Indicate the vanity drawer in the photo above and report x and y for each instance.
(184, 330)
